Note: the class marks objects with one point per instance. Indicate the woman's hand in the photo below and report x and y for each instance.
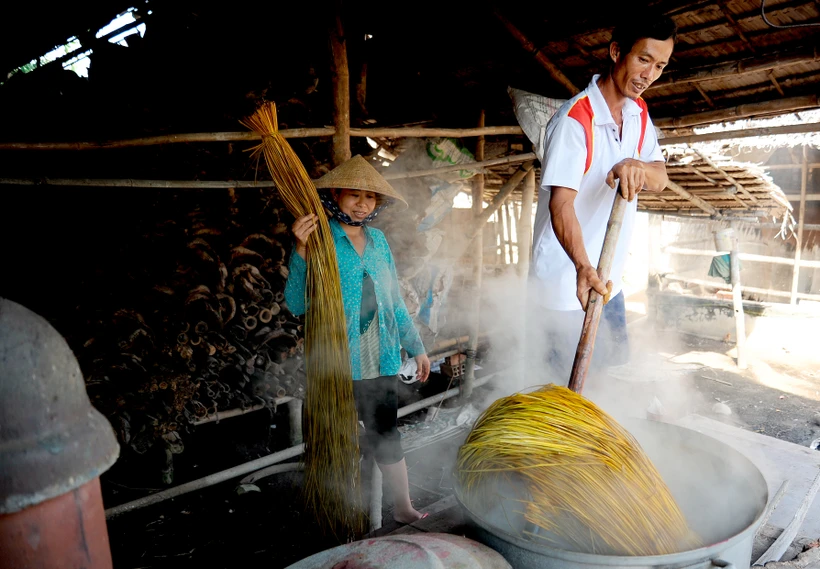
(302, 228)
(423, 365)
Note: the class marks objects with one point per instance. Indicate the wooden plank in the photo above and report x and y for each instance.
(784, 540)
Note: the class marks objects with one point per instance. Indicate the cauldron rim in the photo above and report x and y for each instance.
(706, 552)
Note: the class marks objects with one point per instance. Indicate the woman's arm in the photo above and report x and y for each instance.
(295, 285)
(297, 276)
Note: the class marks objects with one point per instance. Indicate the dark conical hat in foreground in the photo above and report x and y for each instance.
(357, 174)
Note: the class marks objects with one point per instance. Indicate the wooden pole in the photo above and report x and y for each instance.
(131, 183)
(694, 199)
(508, 241)
(539, 56)
(525, 226)
(424, 132)
(456, 167)
(340, 78)
(184, 138)
(480, 219)
(215, 184)
(775, 106)
(742, 256)
(737, 305)
(746, 133)
(478, 267)
(804, 179)
(595, 305)
(749, 289)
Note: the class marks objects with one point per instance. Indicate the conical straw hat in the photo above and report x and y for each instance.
(357, 174)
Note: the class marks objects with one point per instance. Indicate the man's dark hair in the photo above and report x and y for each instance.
(653, 26)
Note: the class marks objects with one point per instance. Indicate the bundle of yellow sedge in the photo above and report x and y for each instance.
(330, 425)
(587, 479)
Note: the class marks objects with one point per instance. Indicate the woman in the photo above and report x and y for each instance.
(378, 324)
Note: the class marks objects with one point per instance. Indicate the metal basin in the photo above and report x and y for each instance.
(721, 492)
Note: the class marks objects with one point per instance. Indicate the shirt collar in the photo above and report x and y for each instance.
(601, 109)
(339, 233)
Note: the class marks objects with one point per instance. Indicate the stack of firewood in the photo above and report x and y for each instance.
(202, 326)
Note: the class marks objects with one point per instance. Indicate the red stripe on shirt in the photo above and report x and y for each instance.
(644, 121)
(581, 111)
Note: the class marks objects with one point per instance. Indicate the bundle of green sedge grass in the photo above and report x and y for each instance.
(330, 424)
(587, 480)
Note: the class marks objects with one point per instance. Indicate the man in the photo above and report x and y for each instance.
(599, 142)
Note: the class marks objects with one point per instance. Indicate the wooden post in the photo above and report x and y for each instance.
(737, 304)
(525, 226)
(508, 245)
(804, 180)
(510, 233)
(340, 77)
(478, 266)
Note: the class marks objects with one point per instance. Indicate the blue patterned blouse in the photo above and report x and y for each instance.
(396, 329)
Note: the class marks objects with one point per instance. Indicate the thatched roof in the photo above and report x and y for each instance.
(202, 66)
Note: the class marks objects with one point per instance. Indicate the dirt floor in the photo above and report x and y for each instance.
(777, 395)
(670, 374)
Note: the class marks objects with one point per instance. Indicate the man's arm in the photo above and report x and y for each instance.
(568, 231)
(636, 176)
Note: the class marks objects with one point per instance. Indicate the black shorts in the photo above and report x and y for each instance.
(377, 402)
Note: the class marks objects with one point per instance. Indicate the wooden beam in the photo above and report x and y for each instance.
(422, 132)
(800, 197)
(207, 184)
(812, 165)
(714, 183)
(722, 286)
(703, 94)
(778, 106)
(131, 183)
(737, 306)
(777, 86)
(726, 175)
(689, 197)
(405, 132)
(751, 257)
(801, 220)
(340, 79)
(454, 168)
(724, 8)
(744, 133)
(477, 257)
(525, 226)
(776, 60)
(539, 55)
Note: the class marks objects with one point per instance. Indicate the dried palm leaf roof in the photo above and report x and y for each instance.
(731, 188)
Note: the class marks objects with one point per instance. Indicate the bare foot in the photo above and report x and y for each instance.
(408, 517)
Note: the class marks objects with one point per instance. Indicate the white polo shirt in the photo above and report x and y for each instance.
(583, 122)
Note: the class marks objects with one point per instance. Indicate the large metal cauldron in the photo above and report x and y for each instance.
(721, 492)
